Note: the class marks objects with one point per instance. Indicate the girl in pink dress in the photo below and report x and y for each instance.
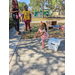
(44, 35)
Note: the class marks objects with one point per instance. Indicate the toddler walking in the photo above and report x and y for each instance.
(43, 33)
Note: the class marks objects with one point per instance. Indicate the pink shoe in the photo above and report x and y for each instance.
(40, 41)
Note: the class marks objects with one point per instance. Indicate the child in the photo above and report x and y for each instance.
(44, 35)
(27, 17)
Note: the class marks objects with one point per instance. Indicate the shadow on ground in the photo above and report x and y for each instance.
(29, 59)
(52, 17)
(14, 38)
(56, 17)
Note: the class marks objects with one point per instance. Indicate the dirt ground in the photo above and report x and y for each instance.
(52, 32)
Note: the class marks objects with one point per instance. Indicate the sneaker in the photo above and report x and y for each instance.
(19, 33)
(26, 29)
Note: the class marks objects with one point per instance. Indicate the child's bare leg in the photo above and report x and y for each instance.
(42, 43)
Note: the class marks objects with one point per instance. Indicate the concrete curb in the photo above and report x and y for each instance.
(14, 39)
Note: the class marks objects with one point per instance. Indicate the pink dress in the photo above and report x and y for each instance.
(45, 35)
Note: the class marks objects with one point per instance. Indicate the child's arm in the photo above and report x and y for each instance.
(37, 33)
(30, 17)
(41, 34)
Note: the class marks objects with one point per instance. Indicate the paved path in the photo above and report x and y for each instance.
(14, 39)
(29, 59)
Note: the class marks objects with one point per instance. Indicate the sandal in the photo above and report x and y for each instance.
(42, 47)
(19, 33)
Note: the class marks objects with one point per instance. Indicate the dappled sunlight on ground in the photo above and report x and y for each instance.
(29, 59)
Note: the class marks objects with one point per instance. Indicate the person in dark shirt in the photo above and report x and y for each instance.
(15, 10)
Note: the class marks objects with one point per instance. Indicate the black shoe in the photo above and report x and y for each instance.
(19, 33)
(30, 30)
(26, 29)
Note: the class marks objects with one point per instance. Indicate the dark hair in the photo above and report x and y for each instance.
(13, 3)
(25, 6)
(45, 27)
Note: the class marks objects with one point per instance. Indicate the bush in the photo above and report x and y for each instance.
(11, 23)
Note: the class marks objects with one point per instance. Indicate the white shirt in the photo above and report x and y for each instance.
(43, 31)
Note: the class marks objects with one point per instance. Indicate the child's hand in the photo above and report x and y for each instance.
(30, 20)
(36, 36)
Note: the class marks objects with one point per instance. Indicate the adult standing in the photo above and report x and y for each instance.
(15, 10)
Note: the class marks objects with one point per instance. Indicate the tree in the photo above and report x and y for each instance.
(61, 6)
(56, 5)
(10, 4)
(37, 4)
(21, 6)
(52, 5)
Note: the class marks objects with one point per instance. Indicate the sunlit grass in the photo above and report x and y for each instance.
(44, 19)
(52, 32)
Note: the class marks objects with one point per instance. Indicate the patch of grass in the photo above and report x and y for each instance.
(45, 19)
(11, 23)
(35, 26)
(55, 32)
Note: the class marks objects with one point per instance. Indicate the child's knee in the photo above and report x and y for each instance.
(42, 40)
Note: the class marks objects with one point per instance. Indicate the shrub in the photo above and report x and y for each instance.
(11, 23)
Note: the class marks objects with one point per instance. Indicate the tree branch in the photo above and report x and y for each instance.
(45, 1)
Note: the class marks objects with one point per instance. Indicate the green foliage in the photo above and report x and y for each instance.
(10, 4)
(52, 4)
(11, 23)
(37, 4)
(56, 5)
(21, 6)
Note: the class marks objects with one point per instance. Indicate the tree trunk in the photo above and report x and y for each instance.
(51, 7)
(52, 12)
(59, 11)
(43, 9)
(42, 13)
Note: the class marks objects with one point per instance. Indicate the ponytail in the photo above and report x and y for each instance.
(45, 27)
